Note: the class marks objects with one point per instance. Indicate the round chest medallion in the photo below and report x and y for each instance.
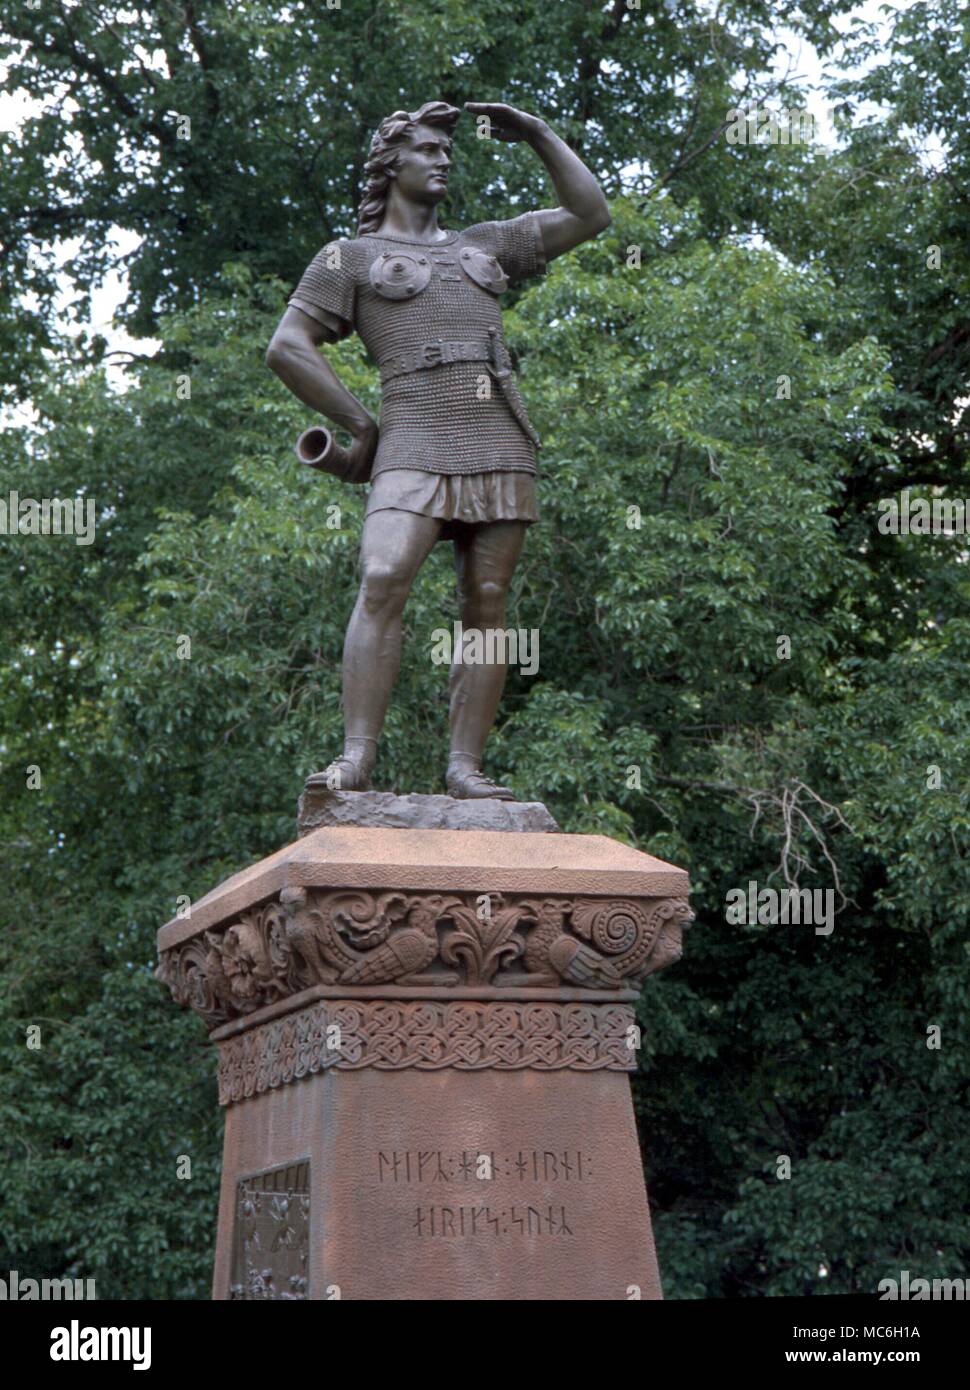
(400, 274)
(483, 269)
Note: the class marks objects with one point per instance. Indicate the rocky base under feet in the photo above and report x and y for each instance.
(319, 806)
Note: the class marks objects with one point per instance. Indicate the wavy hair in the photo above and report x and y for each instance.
(388, 138)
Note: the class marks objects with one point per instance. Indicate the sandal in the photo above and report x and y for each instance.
(475, 786)
(342, 775)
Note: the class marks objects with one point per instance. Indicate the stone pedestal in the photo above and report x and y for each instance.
(423, 1037)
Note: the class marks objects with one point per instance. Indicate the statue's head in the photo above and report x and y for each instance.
(414, 148)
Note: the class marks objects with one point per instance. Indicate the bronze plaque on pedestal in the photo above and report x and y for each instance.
(271, 1237)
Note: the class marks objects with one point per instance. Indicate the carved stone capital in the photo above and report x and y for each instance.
(440, 942)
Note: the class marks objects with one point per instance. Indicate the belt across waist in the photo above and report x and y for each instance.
(436, 352)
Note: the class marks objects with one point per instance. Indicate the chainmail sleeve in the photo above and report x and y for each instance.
(327, 290)
(517, 243)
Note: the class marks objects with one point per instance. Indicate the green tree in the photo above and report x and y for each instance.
(221, 132)
(738, 671)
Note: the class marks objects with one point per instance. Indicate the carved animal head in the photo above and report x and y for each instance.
(292, 899)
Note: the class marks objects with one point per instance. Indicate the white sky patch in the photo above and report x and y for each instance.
(107, 296)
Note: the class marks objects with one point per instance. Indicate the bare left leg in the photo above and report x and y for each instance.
(485, 563)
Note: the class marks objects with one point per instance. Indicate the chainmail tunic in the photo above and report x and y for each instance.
(431, 419)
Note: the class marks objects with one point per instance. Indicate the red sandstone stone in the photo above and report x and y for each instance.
(422, 1039)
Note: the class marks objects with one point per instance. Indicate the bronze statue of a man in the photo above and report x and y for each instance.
(450, 461)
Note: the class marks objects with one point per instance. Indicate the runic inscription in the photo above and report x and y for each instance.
(488, 1218)
(480, 1165)
(442, 1222)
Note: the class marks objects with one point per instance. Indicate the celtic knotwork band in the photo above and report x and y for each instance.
(393, 1035)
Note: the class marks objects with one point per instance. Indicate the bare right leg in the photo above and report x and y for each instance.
(393, 547)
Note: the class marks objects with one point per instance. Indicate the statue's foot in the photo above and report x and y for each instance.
(342, 775)
(475, 786)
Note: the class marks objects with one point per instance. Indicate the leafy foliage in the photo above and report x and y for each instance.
(695, 511)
